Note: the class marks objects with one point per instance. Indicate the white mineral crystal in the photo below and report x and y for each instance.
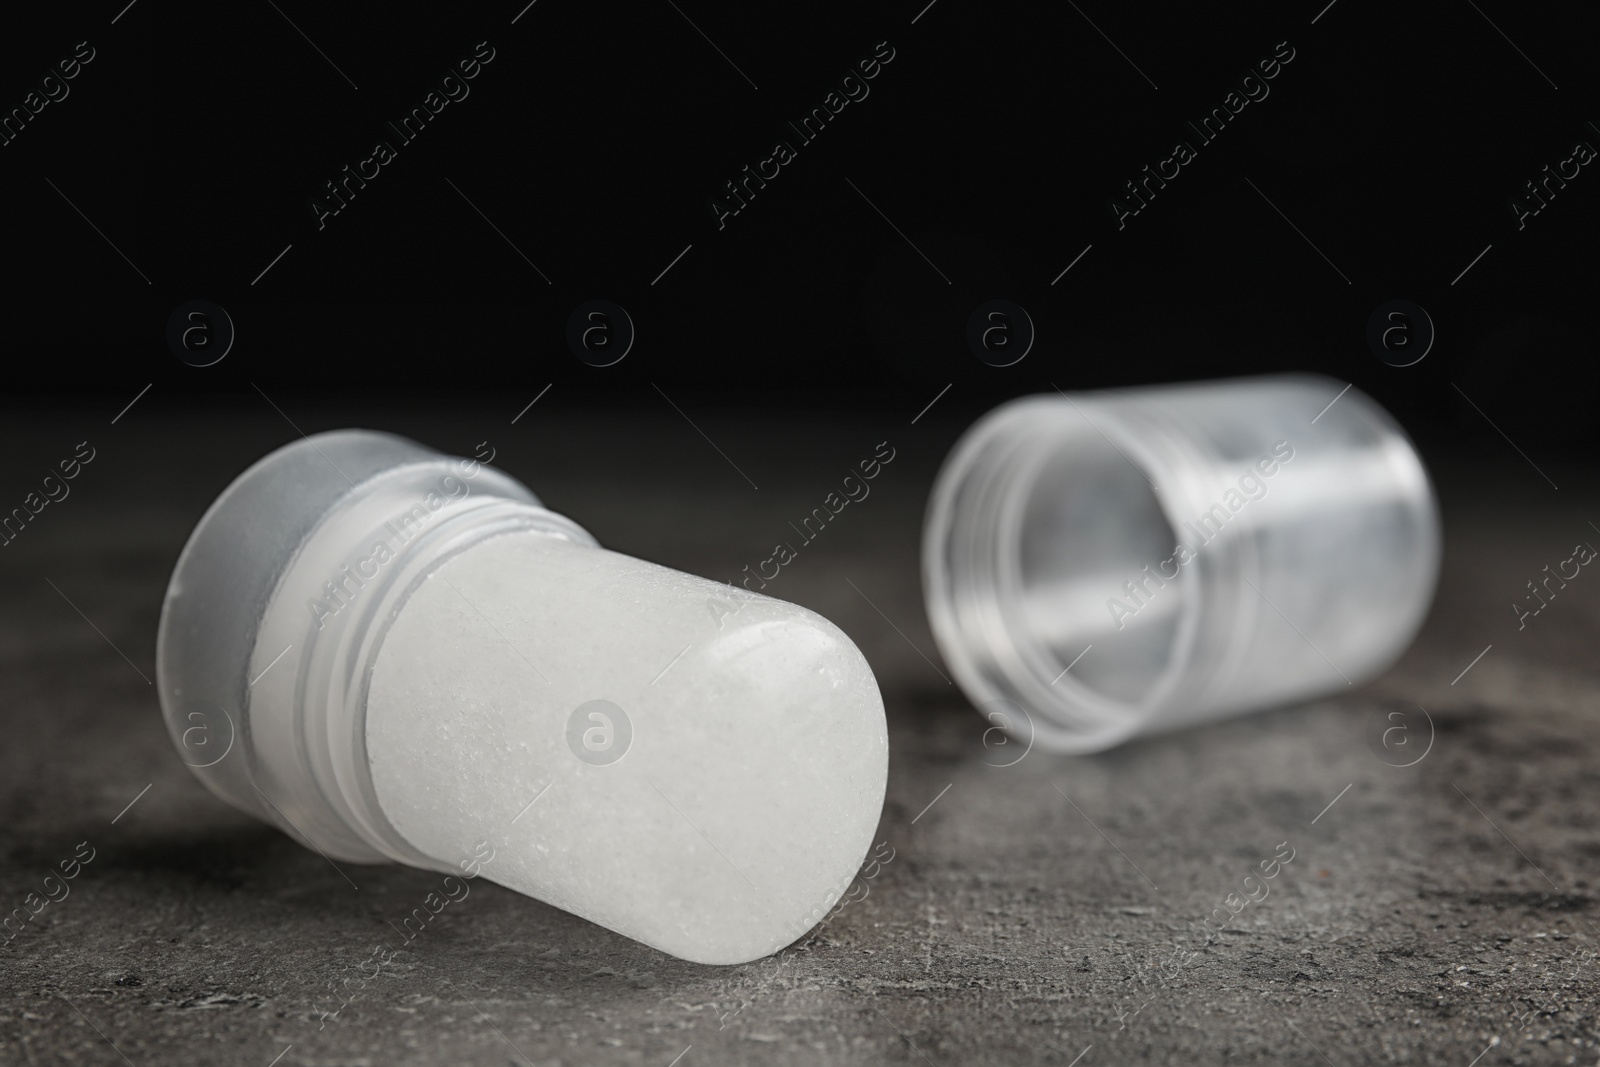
(689, 764)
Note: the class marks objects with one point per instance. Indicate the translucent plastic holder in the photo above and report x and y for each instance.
(1103, 565)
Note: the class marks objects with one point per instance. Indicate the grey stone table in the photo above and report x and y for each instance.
(1041, 912)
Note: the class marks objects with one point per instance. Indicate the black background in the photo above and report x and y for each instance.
(994, 140)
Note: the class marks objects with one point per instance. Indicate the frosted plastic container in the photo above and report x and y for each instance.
(1108, 564)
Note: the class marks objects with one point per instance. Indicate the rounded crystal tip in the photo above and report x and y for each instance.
(695, 766)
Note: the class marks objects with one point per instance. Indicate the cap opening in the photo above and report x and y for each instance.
(1090, 541)
(1036, 552)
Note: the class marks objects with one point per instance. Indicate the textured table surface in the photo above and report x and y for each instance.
(1433, 914)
